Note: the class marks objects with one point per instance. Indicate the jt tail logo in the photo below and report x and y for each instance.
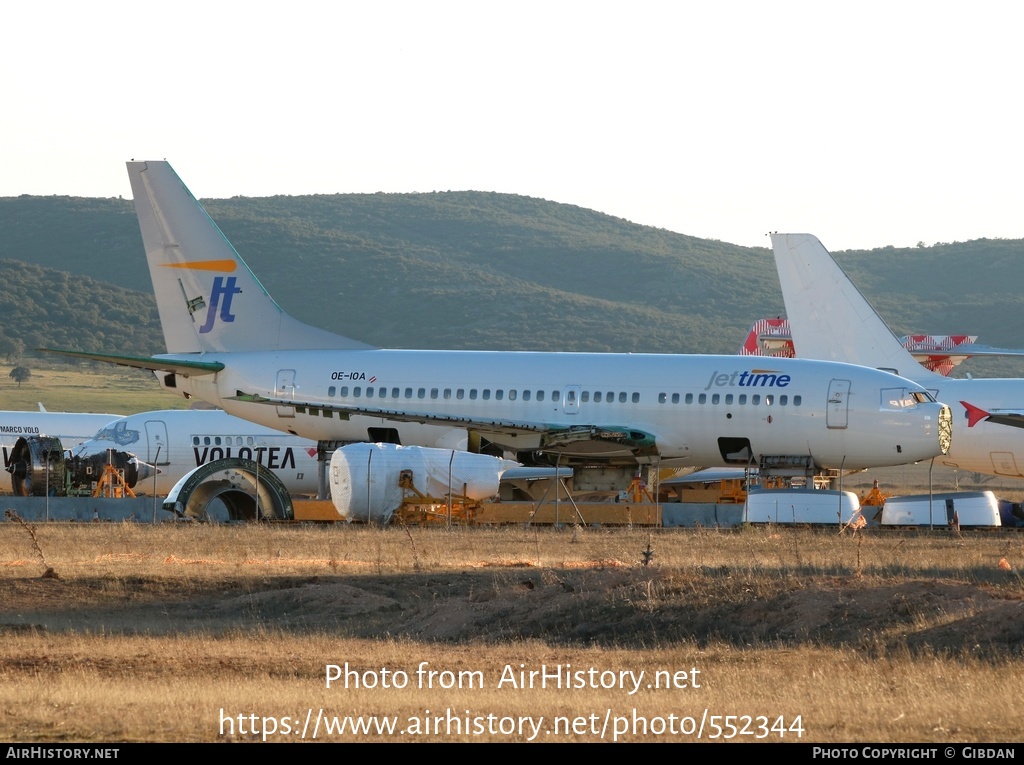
(227, 290)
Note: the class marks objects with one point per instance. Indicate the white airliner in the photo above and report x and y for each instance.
(72, 428)
(229, 343)
(176, 441)
(831, 319)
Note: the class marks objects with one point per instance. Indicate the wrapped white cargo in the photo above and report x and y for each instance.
(968, 508)
(365, 477)
(817, 506)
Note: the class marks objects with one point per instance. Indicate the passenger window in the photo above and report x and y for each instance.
(331, 391)
(585, 396)
(714, 398)
(597, 397)
(487, 394)
(689, 398)
(755, 399)
(421, 393)
(408, 392)
(540, 395)
(472, 394)
(395, 392)
(511, 395)
(433, 393)
(636, 398)
(728, 399)
(357, 392)
(499, 394)
(675, 398)
(526, 395)
(662, 398)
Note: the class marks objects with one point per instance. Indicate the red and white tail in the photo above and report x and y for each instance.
(769, 337)
(936, 353)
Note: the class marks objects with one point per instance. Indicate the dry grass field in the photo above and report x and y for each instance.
(205, 633)
(89, 388)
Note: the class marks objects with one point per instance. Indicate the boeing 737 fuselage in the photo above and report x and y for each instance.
(692, 410)
(230, 344)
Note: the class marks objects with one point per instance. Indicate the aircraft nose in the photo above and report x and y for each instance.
(144, 470)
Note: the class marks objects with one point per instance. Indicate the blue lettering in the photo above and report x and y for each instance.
(759, 379)
(220, 288)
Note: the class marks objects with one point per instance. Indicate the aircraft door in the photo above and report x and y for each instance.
(1003, 463)
(285, 388)
(158, 449)
(837, 414)
(571, 399)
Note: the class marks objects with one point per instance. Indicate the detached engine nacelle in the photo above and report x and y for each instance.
(39, 465)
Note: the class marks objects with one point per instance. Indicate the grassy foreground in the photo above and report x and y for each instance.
(198, 633)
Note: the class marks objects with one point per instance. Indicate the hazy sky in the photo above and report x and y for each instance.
(867, 124)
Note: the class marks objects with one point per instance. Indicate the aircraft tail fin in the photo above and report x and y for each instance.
(828, 316)
(207, 297)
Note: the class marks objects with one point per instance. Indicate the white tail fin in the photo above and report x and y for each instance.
(208, 298)
(828, 316)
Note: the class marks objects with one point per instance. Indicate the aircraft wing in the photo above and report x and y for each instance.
(553, 437)
(153, 363)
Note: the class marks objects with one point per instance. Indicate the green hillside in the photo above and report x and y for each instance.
(480, 270)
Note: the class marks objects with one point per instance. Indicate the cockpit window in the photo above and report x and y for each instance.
(119, 434)
(897, 399)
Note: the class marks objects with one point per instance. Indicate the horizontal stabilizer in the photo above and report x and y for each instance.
(1014, 418)
(153, 363)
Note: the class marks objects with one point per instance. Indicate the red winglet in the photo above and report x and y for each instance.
(974, 414)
